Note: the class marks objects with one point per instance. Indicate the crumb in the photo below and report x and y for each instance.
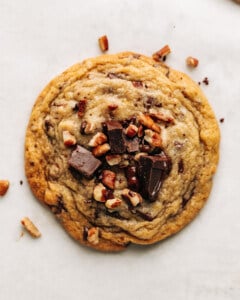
(21, 182)
(199, 83)
(206, 81)
(4, 185)
(30, 227)
(221, 120)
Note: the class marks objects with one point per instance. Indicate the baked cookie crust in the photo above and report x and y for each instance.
(135, 90)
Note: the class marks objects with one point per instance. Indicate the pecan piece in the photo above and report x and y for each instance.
(100, 150)
(113, 203)
(68, 138)
(133, 197)
(131, 130)
(148, 122)
(103, 43)
(98, 139)
(4, 185)
(162, 53)
(153, 138)
(30, 227)
(108, 178)
(99, 192)
(192, 61)
(93, 235)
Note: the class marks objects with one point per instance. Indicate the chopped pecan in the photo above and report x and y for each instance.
(68, 138)
(30, 227)
(113, 203)
(133, 197)
(162, 117)
(113, 159)
(99, 192)
(103, 43)
(4, 185)
(100, 150)
(93, 235)
(153, 138)
(108, 178)
(162, 53)
(147, 121)
(192, 61)
(131, 130)
(98, 139)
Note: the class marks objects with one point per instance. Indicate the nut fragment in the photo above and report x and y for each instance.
(147, 121)
(162, 53)
(113, 159)
(108, 178)
(131, 196)
(68, 138)
(98, 139)
(30, 227)
(113, 203)
(103, 43)
(82, 107)
(4, 185)
(131, 130)
(101, 149)
(153, 138)
(99, 192)
(93, 235)
(192, 61)
(162, 117)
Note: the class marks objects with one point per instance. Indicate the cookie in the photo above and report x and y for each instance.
(122, 149)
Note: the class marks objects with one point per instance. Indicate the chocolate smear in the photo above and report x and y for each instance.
(115, 136)
(84, 162)
(152, 171)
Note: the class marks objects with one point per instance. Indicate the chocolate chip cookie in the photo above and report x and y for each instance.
(122, 149)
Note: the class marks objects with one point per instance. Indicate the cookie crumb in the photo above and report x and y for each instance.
(199, 82)
(21, 182)
(221, 120)
(30, 227)
(103, 43)
(4, 185)
(206, 81)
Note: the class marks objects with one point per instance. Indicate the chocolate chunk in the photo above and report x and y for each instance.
(84, 162)
(152, 171)
(132, 180)
(115, 136)
(132, 144)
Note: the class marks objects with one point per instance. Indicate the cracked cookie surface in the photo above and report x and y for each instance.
(122, 149)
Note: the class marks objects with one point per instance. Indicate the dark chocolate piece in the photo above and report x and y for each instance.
(132, 180)
(152, 171)
(83, 161)
(115, 137)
